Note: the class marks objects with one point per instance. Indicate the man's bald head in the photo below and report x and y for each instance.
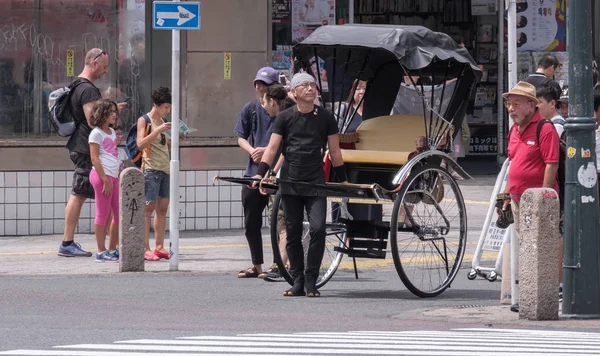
(93, 55)
(96, 64)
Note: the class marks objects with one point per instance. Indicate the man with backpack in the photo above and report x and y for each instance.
(254, 131)
(533, 150)
(83, 96)
(548, 106)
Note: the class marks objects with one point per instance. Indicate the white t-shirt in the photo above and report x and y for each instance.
(122, 156)
(558, 126)
(108, 150)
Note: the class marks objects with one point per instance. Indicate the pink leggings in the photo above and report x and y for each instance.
(105, 203)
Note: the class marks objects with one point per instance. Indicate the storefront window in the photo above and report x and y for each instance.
(43, 45)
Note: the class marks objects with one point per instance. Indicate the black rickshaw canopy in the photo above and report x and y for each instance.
(383, 55)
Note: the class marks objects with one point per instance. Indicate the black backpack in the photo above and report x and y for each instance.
(561, 160)
(131, 148)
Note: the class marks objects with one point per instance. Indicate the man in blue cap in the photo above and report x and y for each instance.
(304, 131)
(253, 130)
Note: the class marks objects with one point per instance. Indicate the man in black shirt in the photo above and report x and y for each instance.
(85, 94)
(547, 66)
(304, 130)
(254, 130)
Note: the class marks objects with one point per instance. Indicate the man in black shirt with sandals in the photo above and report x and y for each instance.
(303, 131)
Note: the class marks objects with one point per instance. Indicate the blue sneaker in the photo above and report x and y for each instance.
(106, 256)
(114, 253)
(73, 250)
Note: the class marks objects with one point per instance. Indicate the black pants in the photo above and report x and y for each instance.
(316, 209)
(254, 203)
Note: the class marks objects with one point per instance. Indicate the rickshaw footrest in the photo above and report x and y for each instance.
(369, 253)
(367, 228)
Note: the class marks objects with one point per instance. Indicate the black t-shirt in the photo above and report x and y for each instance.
(537, 79)
(84, 93)
(304, 140)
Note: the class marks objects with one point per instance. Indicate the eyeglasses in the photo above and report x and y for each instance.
(163, 139)
(308, 84)
(514, 104)
(98, 56)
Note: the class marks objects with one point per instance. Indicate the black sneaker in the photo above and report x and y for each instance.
(274, 276)
(514, 308)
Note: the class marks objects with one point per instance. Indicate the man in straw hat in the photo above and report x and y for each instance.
(534, 164)
(304, 130)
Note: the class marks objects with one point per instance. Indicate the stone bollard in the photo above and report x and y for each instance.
(131, 221)
(538, 254)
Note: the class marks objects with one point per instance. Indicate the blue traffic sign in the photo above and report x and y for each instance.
(169, 15)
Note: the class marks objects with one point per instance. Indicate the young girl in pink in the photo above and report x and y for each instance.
(105, 177)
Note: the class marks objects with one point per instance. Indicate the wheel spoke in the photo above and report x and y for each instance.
(428, 258)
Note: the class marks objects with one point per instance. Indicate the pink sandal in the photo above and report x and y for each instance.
(149, 256)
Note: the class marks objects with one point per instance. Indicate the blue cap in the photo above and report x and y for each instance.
(267, 75)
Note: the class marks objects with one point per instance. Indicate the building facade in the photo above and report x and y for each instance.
(39, 54)
(43, 44)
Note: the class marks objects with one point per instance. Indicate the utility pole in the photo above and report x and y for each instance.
(581, 267)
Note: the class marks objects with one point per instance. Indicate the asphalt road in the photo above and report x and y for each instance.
(40, 312)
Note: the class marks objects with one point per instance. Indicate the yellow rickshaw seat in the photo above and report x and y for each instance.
(386, 140)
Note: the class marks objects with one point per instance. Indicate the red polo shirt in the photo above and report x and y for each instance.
(527, 159)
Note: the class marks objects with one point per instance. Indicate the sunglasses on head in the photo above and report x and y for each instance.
(98, 56)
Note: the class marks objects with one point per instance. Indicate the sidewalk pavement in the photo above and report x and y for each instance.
(210, 252)
(217, 251)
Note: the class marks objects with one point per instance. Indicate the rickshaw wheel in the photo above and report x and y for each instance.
(335, 236)
(428, 230)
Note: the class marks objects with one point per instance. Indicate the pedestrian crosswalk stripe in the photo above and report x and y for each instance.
(387, 344)
(455, 342)
(386, 338)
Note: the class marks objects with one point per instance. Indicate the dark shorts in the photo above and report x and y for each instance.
(157, 185)
(81, 178)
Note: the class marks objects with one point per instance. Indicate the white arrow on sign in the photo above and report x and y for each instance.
(183, 15)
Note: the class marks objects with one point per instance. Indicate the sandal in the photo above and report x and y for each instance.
(251, 272)
(149, 256)
(271, 269)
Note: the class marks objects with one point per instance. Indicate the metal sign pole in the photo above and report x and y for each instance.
(511, 6)
(175, 16)
(174, 177)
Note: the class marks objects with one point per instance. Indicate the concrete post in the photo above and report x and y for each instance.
(131, 218)
(539, 217)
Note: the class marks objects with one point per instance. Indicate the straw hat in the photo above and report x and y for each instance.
(523, 89)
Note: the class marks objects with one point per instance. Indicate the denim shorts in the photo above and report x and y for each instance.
(156, 185)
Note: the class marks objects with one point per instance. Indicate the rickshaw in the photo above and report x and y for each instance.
(423, 215)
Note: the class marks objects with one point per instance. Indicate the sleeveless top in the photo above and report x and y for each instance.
(156, 156)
